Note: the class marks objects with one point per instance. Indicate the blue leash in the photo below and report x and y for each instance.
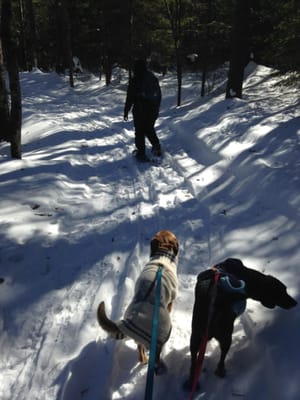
(152, 357)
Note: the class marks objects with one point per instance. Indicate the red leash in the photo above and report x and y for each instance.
(202, 348)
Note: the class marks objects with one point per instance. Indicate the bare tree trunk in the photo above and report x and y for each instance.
(179, 75)
(64, 40)
(107, 67)
(206, 50)
(4, 109)
(175, 16)
(203, 80)
(10, 59)
(27, 53)
(108, 31)
(30, 35)
(69, 40)
(240, 51)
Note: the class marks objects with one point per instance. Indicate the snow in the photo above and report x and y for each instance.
(77, 214)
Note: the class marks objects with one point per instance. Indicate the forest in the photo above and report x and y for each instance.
(78, 211)
(173, 35)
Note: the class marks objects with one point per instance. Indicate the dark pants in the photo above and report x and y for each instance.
(144, 121)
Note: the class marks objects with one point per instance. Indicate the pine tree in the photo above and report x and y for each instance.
(240, 49)
(9, 54)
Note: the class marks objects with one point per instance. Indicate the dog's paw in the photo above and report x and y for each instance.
(160, 368)
(220, 372)
(188, 385)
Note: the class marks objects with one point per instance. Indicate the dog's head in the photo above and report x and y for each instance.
(166, 242)
(275, 294)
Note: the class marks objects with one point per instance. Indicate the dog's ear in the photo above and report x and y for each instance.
(171, 242)
(176, 247)
(154, 246)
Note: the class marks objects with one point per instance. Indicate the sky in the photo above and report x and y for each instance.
(78, 212)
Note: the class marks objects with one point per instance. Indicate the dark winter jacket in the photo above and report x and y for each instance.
(136, 97)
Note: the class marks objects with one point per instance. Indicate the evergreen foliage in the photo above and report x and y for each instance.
(116, 31)
(171, 34)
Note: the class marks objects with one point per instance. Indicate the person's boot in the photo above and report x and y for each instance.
(140, 156)
(156, 151)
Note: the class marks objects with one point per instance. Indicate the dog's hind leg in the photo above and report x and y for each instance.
(224, 340)
(160, 366)
(199, 323)
(221, 371)
(194, 347)
(198, 326)
(143, 357)
(195, 341)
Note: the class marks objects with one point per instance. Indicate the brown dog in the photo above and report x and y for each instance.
(137, 321)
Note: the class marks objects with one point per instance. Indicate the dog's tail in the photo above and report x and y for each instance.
(109, 326)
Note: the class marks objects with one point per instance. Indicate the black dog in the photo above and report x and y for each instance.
(217, 306)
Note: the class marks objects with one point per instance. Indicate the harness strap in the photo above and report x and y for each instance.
(204, 340)
(154, 334)
(151, 287)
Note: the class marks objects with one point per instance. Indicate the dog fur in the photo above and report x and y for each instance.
(264, 288)
(137, 320)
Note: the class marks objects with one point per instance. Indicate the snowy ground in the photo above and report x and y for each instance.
(77, 213)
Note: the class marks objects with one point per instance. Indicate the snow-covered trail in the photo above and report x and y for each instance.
(78, 213)
(178, 185)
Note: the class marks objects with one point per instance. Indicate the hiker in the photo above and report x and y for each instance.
(144, 96)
